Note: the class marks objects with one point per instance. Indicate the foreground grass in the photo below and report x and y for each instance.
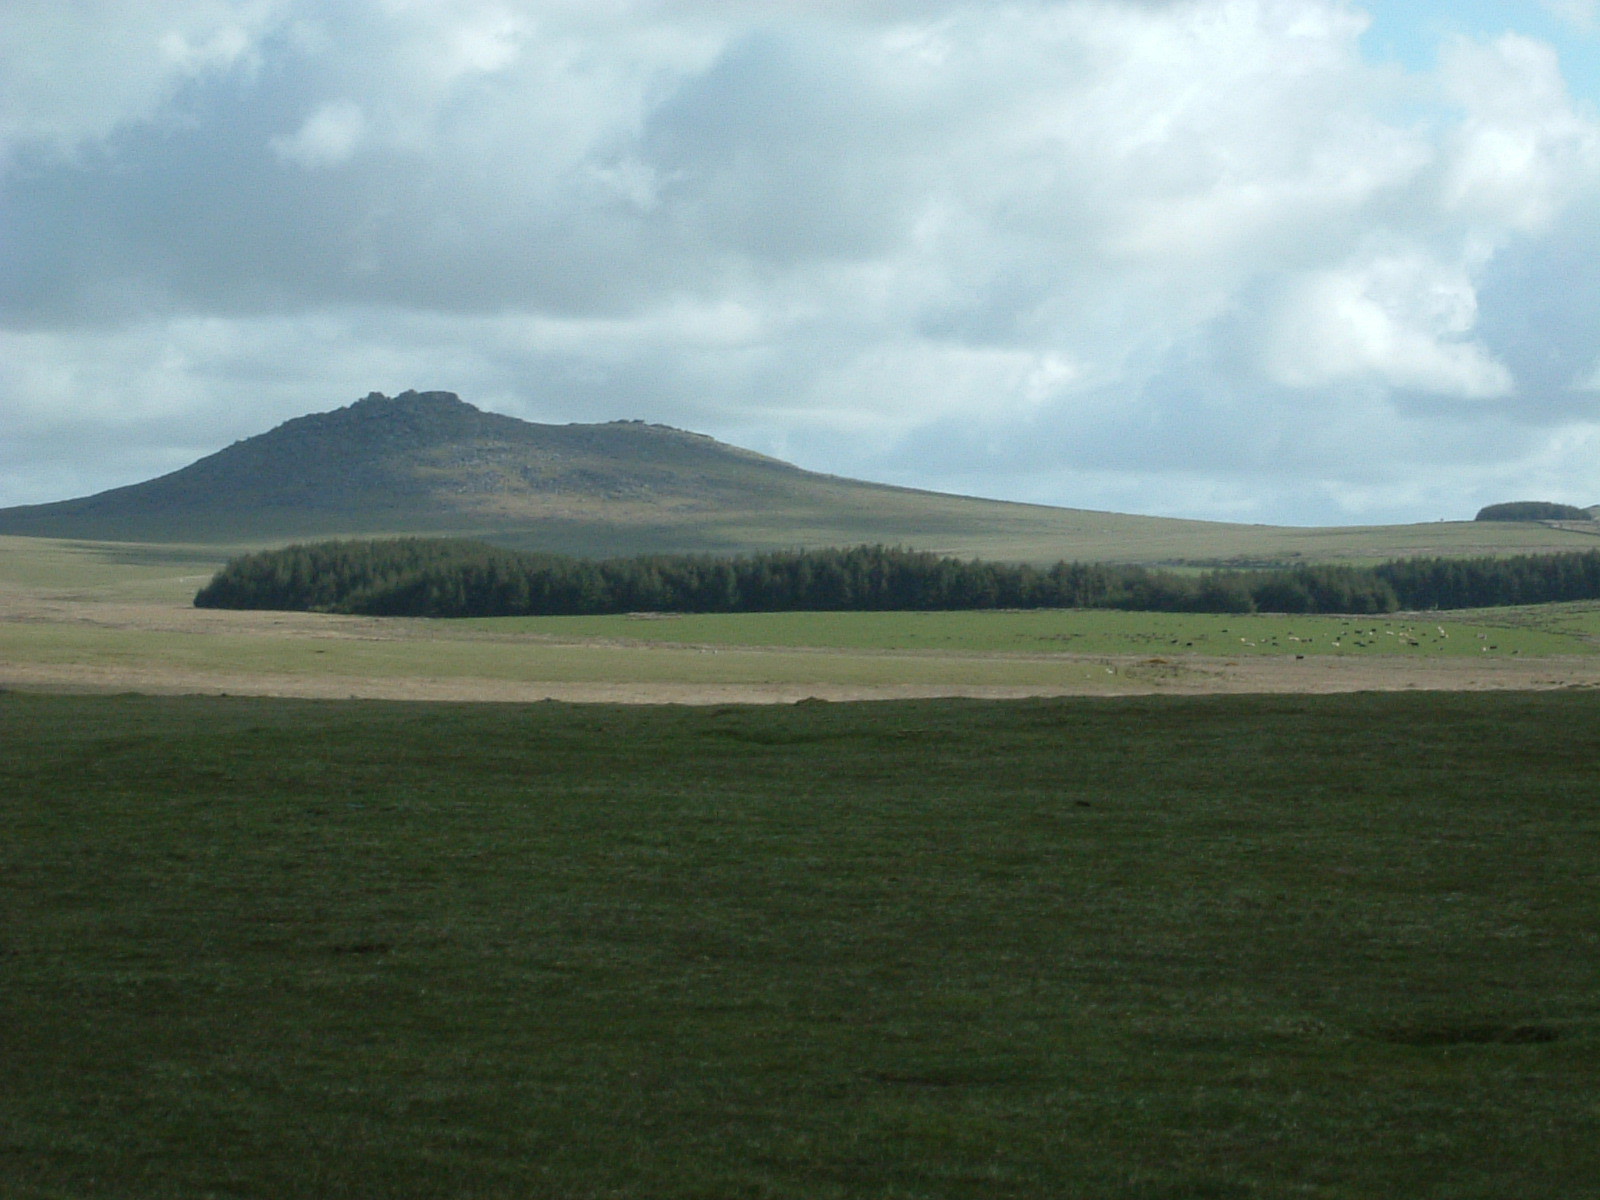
(1236, 947)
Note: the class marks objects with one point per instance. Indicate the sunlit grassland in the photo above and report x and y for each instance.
(1017, 649)
(1332, 947)
(433, 650)
(1566, 629)
(1044, 649)
(107, 570)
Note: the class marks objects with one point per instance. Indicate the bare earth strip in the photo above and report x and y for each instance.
(135, 663)
(168, 682)
(1205, 677)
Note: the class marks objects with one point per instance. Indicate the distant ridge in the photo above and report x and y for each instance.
(430, 463)
(416, 461)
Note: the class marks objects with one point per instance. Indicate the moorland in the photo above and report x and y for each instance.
(430, 463)
(1107, 904)
(118, 617)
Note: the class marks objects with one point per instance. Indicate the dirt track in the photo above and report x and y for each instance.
(1101, 674)
(1199, 678)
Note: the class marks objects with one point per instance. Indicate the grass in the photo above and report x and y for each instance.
(1339, 947)
(1035, 533)
(106, 570)
(1548, 630)
(435, 466)
(716, 503)
(1015, 649)
(434, 650)
(1042, 649)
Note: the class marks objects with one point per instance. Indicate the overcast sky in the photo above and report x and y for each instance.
(1298, 261)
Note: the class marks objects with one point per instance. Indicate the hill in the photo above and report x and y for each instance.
(1533, 510)
(430, 463)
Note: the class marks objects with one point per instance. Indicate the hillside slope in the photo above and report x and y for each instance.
(431, 463)
(418, 461)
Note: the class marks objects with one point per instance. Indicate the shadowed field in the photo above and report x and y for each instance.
(1328, 947)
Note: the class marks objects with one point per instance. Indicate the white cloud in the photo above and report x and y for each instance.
(1033, 248)
(483, 41)
(1583, 14)
(329, 136)
(1523, 152)
(1399, 319)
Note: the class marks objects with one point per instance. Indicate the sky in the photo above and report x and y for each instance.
(1284, 261)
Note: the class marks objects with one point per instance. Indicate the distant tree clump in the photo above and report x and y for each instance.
(1533, 510)
(443, 577)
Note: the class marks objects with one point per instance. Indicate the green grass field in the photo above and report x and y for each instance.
(107, 570)
(1053, 649)
(437, 651)
(121, 627)
(1335, 948)
(1546, 630)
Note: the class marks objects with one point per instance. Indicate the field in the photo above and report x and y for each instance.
(104, 570)
(1546, 630)
(1330, 947)
(1120, 940)
(110, 617)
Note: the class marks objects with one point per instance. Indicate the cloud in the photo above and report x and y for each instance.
(1582, 14)
(73, 73)
(1399, 320)
(1186, 255)
(1523, 152)
(329, 136)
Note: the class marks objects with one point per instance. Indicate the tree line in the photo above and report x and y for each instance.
(1533, 510)
(447, 577)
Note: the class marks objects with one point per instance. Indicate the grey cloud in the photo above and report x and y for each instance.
(1540, 309)
(780, 151)
(201, 219)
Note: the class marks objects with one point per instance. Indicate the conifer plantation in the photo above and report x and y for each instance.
(443, 577)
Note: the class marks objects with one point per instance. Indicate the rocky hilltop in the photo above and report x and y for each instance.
(428, 462)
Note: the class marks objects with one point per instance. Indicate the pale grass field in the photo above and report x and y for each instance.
(109, 617)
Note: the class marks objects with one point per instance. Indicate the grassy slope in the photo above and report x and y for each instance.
(106, 570)
(947, 524)
(1229, 948)
(432, 464)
